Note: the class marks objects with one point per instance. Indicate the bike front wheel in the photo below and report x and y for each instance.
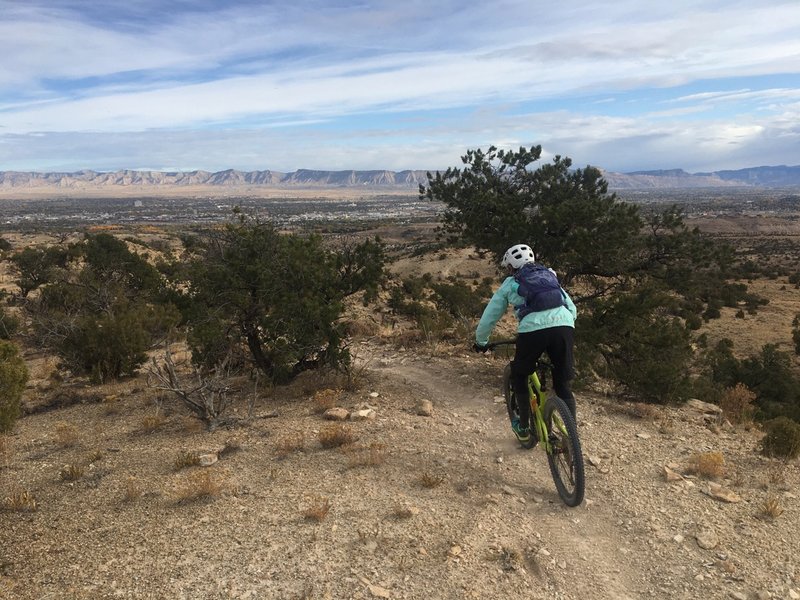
(565, 455)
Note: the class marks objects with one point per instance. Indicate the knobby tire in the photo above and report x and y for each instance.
(566, 457)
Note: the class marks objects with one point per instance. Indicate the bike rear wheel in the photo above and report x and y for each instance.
(565, 456)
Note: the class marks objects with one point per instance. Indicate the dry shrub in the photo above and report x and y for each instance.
(771, 508)
(782, 439)
(19, 501)
(94, 456)
(66, 434)
(186, 459)
(201, 485)
(5, 447)
(403, 511)
(710, 465)
(336, 435)
(131, 490)
(151, 423)
(737, 404)
(371, 455)
(291, 442)
(230, 447)
(644, 411)
(776, 474)
(325, 399)
(362, 328)
(318, 509)
(71, 472)
(430, 480)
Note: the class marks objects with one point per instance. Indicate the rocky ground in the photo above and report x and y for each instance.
(439, 506)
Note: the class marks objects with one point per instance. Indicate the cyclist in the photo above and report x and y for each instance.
(540, 330)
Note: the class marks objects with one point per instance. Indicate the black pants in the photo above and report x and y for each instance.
(557, 342)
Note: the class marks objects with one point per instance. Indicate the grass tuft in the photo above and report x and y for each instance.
(430, 480)
(771, 508)
(325, 399)
(289, 443)
(737, 404)
(19, 501)
(131, 490)
(201, 485)
(336, 435)
(71, 472)
(371, 455)
(317, 510)
(66, 435)
(151, 423)
(186, 459)
(710, 465)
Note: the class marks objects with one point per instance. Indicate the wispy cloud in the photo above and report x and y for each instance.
(216, 84)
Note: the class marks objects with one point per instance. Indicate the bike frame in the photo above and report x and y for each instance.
(538, 402)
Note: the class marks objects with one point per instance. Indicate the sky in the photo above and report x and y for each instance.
(624, 85)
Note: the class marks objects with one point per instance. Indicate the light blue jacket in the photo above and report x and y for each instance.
(562, 316)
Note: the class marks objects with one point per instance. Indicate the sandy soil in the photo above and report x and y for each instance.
(489, 524)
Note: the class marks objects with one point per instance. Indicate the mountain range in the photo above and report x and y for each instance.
(765, 176)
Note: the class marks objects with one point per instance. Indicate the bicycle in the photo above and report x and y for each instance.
(555, 428)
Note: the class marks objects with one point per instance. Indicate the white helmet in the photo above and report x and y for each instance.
(516, 256)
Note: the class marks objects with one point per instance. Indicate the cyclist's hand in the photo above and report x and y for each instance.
(482, 348)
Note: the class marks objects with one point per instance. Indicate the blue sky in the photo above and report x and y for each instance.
(209, 84)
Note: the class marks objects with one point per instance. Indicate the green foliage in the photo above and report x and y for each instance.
(102, 317)
(5, 245)
(36, 266)
(459, 299)
(13, 377)
(644, 347)
(9, 324)
(630, 273)
(361, 266)
(782, 439)
(279, 295)
(109, 346)
(769, 375)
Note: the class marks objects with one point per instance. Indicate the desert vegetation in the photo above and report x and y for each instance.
(138, 353)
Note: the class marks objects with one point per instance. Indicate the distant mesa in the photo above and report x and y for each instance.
(766, 176)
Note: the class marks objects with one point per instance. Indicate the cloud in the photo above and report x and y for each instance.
(348, 80)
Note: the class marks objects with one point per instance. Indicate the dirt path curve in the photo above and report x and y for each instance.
(571, 553)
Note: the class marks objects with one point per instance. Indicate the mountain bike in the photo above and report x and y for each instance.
(555, 428)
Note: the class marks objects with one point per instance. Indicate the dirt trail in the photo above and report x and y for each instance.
(587, 540)
(450, 509)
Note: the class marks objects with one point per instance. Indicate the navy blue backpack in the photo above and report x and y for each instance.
(540, 288)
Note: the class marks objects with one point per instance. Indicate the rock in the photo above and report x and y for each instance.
(499, 399)
(455, 550)
(594, 460)
(366, 414)
(718, 492)
(703, 407)
(738, 596)
(793, 594)
(671, 475)
(678, 538)
(336, 414)
(508, 490)
(378, 591)
(425, 408)
(374, 394)
(643, 436)
(543, 552)
(208, 459)
(499, 460)
(707, 538)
